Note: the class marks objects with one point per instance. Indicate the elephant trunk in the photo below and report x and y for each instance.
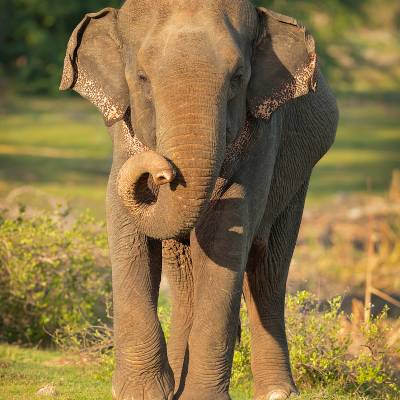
(183, 186)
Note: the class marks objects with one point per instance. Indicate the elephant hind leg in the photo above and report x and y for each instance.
(264, 290)
(177, 265)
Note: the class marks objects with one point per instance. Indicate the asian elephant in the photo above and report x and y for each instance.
(218, 112)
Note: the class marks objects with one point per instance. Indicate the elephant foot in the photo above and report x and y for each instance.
(156, 388)
(278, 393)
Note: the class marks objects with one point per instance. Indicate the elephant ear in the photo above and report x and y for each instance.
(283, 65)
(94, 67)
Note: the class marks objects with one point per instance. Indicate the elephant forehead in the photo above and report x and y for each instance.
(188, 53)
(145, 15)
(183, 43)
(144, 6)
(190, 41)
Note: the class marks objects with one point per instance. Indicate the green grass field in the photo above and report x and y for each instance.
(61, 147)
(24, 371)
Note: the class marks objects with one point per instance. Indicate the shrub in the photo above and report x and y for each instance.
(241, 372)
(55, 282)
(53, 273)
(321, 341)
(327, 348)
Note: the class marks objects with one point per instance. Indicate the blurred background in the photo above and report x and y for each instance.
(55, 152)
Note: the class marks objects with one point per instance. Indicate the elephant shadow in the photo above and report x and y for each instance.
(221, 232)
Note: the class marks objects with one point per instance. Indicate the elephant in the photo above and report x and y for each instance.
(218, 112)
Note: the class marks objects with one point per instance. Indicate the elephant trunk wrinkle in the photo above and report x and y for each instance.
(167, 191)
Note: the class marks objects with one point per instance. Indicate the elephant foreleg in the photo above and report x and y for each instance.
(142, 370)
(219, 253)
(177, 265)
(264, 290)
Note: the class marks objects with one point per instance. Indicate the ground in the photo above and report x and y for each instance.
(24, 371)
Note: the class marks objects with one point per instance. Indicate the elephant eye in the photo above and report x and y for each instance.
(235, 83)
(144, 84)
(237, 77)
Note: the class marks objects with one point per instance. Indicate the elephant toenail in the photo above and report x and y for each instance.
(277, 395)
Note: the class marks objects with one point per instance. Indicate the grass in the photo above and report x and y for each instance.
(60, 146)
(366, 150)
(24, 371)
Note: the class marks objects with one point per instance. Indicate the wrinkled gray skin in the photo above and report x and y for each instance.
(186, 75)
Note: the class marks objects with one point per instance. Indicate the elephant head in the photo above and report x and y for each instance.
(186, 75)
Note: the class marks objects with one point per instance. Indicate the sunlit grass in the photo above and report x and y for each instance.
(366, 150)
(58, 146)
(24, 371)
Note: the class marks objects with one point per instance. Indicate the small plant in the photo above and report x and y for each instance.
(321, 347)
(55, 284)
(317, 345)
(325, 349)
(241, 371)
(54, 273)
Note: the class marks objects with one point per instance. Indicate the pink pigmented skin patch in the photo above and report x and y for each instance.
(89, 89)
(303, 80)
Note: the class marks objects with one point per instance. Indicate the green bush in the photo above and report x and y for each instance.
(54, 273)
(326, 347)
(322, 348)
(55, 283)
(241, 372)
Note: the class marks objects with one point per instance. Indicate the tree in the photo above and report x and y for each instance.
(33, 39)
